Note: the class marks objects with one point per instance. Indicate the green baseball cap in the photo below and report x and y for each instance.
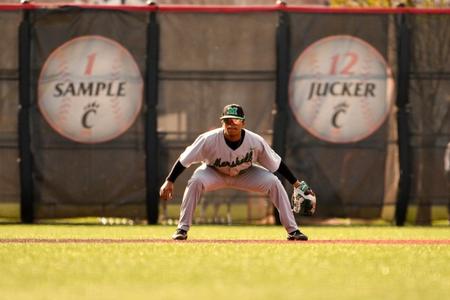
(233, 111)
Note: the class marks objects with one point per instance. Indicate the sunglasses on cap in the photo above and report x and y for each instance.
(232, 121)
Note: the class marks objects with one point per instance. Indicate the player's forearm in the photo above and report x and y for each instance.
(286, 173)
(177, 169)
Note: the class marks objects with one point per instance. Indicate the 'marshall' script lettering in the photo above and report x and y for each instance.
(218, 163)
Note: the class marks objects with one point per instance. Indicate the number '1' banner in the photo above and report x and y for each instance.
(86, 113)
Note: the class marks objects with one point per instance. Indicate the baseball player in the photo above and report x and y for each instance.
(228, 157)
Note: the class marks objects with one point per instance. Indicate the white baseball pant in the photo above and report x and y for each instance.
(255, 179)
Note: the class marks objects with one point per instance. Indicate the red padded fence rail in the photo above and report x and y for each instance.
(231, 8)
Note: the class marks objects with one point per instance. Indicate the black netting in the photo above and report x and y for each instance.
(430, 112)
(9, 102)
(208, 61)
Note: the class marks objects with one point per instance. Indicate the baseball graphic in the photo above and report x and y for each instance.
(340, 89)
(90, 89)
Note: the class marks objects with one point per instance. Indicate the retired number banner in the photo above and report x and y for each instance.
(340, 99)
(87, 117)
(340, 89)
(90, 89)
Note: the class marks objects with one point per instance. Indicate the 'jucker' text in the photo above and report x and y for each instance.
(337, 88)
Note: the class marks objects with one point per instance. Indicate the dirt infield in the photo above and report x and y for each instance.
(218, 241)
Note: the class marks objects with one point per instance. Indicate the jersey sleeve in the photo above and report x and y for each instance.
(268, 158)
(193, 153)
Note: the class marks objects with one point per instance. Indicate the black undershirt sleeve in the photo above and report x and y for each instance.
(177, 169)
(286, 173)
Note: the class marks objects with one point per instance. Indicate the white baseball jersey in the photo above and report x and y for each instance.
(210, 148)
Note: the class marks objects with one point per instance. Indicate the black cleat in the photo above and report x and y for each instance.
(180, 235)
(297, 236)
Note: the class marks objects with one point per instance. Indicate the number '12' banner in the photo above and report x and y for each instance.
(340, 98)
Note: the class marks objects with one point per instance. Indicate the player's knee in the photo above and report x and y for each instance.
(196, 183)
(273, 183)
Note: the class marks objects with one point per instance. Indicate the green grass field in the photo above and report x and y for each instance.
(135, 269)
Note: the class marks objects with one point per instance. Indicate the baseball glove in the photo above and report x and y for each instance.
(303, 200)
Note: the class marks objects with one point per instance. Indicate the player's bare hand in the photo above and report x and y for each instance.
(166, 190)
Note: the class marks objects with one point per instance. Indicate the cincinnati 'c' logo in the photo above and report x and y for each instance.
(88, 121)
(90, 89)
(339, 109)
(340, 89)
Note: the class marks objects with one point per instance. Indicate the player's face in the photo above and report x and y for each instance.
(233, 127)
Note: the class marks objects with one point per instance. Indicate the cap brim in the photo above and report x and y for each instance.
(232, 117)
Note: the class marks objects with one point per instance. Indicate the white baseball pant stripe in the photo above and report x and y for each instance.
(255, 179)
